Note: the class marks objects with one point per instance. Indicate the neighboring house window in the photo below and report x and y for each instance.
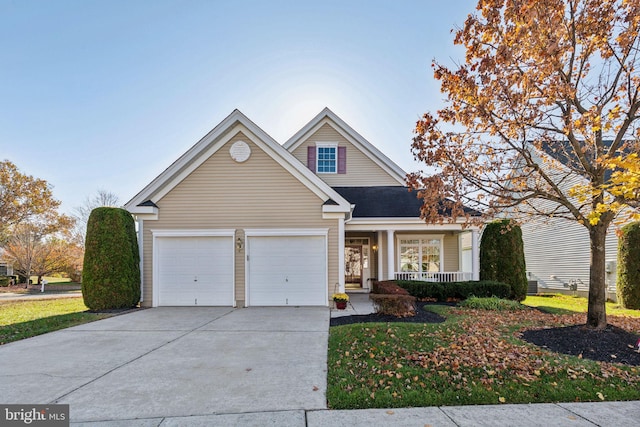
(327, 158)
(420, 254)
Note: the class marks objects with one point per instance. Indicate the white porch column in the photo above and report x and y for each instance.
(391, 265)
(475, 254)
(380, 259)
(341, 254)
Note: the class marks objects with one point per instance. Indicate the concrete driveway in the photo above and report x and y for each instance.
(173, 362)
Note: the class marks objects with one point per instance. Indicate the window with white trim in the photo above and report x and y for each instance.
(420, 254)
(327, 159)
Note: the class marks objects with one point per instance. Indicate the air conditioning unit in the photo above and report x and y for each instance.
(610, 267)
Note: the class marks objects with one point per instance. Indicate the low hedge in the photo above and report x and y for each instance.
(442, 291)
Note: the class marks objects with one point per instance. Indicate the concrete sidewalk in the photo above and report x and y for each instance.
(359, 303)
(614, 414)
(13, 296)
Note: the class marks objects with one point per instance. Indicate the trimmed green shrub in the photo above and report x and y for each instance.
(424, 290)
(442, 291)
(502, 257)
(4, 280)
(628, 281)
(492, 303)
(111, 269)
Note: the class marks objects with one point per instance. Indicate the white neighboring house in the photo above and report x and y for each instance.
(557, 250)
(558, 256)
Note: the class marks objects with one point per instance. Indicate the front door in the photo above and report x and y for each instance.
(353, 266)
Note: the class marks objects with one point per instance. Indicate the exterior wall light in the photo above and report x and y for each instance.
(239, 244)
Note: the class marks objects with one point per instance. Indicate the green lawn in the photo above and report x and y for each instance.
(475, 357)
(24, 319)
(567, 304)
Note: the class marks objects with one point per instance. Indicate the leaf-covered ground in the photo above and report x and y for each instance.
(481, 356)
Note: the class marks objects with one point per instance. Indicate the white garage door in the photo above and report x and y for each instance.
(287, 270)
(195, 270)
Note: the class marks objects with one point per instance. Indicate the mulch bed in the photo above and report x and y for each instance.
(613, 344)
(422, 316)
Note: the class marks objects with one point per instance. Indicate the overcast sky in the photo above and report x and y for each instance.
(107, 94)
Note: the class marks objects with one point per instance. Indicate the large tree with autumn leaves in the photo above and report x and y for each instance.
(22, 196)
(543, 110)
(31, 228)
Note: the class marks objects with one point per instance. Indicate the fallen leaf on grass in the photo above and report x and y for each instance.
(502, 399)
(600, 396)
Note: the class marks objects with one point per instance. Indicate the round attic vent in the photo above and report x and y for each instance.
(240, 151)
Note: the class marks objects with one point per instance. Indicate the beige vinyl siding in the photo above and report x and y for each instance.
(451, 252)
(361, 170)
(224, 194)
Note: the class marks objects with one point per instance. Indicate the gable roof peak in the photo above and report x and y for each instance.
(210, 144)
(352, 135)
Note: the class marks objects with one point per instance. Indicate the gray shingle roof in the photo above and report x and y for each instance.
(384, 202)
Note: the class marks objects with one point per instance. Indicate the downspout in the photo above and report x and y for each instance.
(140, 222)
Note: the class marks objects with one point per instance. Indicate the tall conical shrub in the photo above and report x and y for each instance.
(628, 280)
(502, 257)
(111, 269)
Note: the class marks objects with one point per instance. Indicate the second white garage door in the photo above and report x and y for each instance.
(195, 270)
(286, 270)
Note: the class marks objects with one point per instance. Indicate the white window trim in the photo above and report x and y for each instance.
(333, 145)
(400, 237)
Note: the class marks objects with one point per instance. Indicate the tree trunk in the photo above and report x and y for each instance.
(596, 314)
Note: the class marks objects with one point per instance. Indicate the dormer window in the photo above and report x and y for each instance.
(327, 158)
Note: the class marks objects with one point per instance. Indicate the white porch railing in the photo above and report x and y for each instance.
(434, 276)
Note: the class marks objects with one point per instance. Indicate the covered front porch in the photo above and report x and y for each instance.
(408, 250)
